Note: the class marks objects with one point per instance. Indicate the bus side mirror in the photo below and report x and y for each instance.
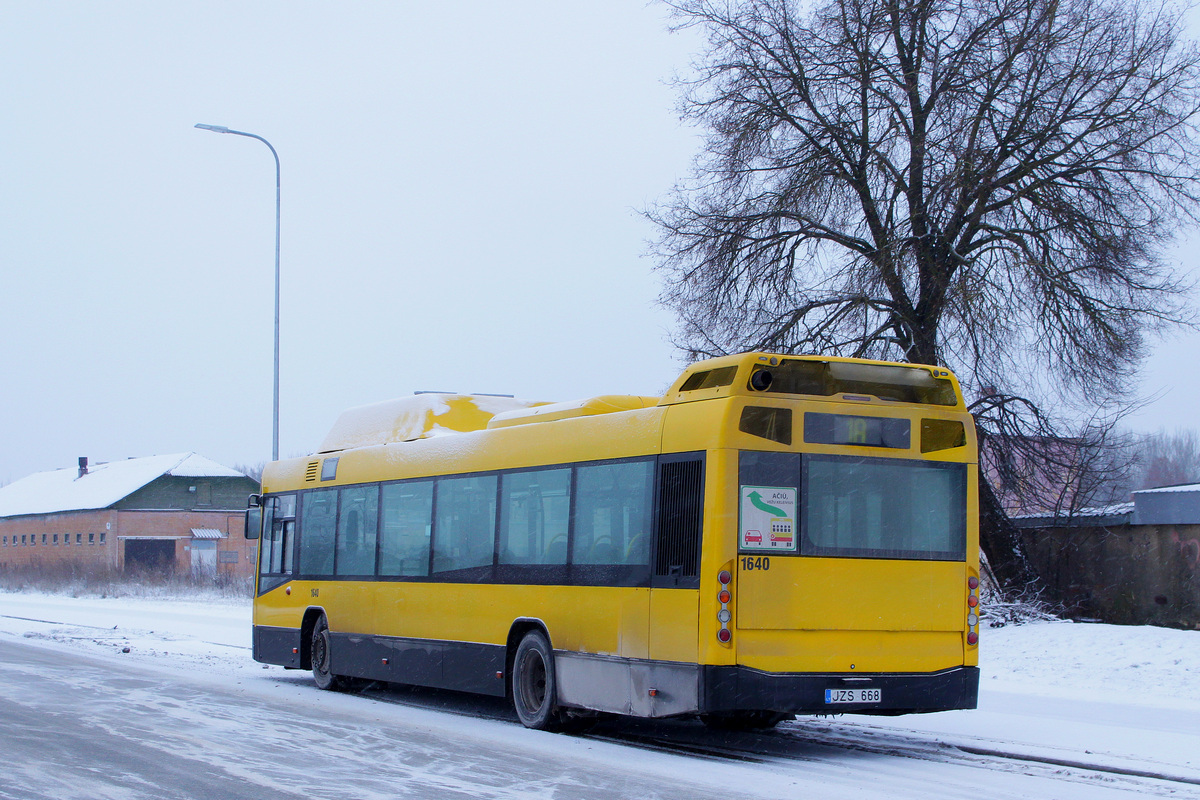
(254, 520)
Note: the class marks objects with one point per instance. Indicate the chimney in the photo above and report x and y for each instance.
(82, 466)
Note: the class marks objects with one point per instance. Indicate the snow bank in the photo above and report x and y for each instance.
(1148, 665)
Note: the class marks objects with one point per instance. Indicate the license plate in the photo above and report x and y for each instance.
(853, 695)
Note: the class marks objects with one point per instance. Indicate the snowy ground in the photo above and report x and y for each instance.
(1066, 710)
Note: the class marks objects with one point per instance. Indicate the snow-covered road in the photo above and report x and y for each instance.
(1066, 711)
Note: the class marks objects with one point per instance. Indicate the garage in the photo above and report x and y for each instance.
(150, 555)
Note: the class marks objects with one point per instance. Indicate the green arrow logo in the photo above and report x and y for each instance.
(757, 500)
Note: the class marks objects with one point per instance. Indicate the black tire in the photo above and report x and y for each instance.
(322, 674)
(534, 684)
(744, 720)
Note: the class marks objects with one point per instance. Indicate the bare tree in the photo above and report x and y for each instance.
(986, 185)
(1168, 459)
(252, 470)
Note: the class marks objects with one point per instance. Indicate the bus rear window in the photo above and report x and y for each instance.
(827, 378)
(864, 507)
(884, 508)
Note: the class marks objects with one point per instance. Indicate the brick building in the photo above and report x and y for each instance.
(180, 512)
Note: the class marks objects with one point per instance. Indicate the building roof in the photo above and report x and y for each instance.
(1167, 505)
(1115, 514)
(1186, 487)
(104, 484)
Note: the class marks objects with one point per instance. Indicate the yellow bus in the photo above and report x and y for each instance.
(776, 535)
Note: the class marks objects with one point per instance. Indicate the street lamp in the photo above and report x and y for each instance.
(275, 411)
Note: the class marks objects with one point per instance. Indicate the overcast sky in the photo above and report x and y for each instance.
(461, 187)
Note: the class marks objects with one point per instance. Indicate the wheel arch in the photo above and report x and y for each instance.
(516, 632)
(311, 615)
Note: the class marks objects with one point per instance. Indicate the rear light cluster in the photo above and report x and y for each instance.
(972, 610)
(723, 616)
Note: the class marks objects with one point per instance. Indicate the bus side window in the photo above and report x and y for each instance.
(279, 527)
(404, 529)
(535, 511)
(613, 504)
(465, 527)
(318, 520)
(356, 530)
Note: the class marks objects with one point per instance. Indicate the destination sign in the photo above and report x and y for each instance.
(854, 430)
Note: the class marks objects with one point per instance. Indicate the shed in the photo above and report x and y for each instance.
(159, 513)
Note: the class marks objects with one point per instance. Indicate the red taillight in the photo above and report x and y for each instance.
(972, 603)
(723, 615)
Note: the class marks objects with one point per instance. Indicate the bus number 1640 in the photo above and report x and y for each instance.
(756, 562)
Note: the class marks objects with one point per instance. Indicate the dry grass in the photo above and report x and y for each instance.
(80, 581)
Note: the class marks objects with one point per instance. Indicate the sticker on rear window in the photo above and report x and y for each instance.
(767, 518)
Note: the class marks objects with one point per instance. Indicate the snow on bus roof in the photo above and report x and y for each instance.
(418, 416)
(102, 485)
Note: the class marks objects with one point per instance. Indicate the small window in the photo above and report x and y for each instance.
(22, 539)
(6, 541)
(329, 469)
(43, 538)
(56, 538)
(709, 379)
(404, 532)
(79, 538)
(102, 534)
(66, 539)
(769, 423)
(285, 506)
(91, 538)
(942, 434)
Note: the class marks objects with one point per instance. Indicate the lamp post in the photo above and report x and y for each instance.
(275, 408)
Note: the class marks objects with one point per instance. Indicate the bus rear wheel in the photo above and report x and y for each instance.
(534, 684)
(322, 674)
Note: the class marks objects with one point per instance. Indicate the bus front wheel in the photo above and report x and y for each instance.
(534, 686)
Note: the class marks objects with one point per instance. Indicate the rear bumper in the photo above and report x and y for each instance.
(733, 688)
